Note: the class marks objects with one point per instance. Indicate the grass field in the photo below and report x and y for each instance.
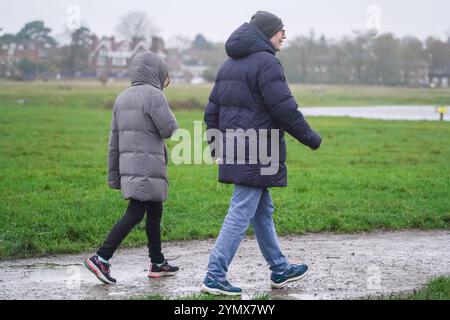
(368, 175)
(93, 95)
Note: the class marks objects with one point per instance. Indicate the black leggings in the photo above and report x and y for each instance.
(134, 214)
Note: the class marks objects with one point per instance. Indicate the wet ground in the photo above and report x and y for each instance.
(382, 113)
(342, 267)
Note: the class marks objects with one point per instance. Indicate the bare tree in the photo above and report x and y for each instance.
(179, 42)
(135, 26)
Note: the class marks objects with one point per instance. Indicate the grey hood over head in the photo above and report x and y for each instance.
(141, 120)
(149, 68)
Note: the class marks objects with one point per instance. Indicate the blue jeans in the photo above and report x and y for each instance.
(248, 205)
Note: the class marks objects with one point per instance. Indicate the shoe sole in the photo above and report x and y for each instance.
(155, 275)
(284, 283)
(96, 271)
(218, 292)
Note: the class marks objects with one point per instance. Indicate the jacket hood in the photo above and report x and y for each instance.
(247, 40)
(149, 68)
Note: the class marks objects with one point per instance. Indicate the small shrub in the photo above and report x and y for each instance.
(103, 80)
(108, 104)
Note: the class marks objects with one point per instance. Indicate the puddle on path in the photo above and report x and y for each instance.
(342, 267)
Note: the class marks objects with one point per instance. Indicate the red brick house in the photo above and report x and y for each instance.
(12, 53)
(111, 58)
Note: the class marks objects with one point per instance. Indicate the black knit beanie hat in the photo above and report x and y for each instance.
(267, 22)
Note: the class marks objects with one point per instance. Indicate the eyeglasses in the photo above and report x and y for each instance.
(284, 33)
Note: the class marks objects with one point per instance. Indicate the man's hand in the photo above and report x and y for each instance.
(318, 147)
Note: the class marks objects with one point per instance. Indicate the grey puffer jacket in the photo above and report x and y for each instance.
(137, 157)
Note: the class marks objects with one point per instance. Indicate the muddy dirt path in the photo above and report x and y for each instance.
(342, 267)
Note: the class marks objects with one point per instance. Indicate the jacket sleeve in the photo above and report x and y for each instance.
(282, 106)
(163, 118)
(212, 110)
(113, 155)
(211, 117)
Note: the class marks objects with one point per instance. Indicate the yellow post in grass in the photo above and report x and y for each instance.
(442, 110)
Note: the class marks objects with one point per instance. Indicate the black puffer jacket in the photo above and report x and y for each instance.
(251, 92)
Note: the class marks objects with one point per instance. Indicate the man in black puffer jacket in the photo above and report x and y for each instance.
(251, 93)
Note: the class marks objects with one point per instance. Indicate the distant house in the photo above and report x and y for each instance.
(5, 58)
(11, 54)
(440, 77)
(111, 58)
(194, 74)
(415, 74)
(175, 66)
(193, 69)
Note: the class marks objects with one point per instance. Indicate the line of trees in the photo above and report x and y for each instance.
(382, 60)
(385, 59)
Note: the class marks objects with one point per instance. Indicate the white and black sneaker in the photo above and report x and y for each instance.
(100, 269)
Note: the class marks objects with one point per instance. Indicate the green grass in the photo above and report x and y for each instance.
(438, 289)
(369, 175)
(368, 96)
(93, 95)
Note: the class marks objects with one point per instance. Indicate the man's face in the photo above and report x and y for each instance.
(277, 39)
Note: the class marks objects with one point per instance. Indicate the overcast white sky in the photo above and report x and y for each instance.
(217, 19)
